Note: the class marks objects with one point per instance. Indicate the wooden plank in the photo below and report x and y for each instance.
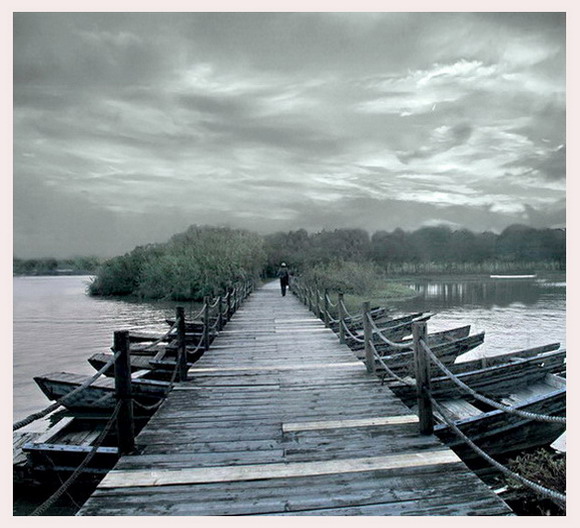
(341, 424)
(121, 478)
(256, 368)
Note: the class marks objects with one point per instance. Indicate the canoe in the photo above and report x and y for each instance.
(66, 444)
(393, 330)
(433, 339)
(498, 359)
(379, 316)
(99, 396)
(501, 433)
(497, 381)
(403, 363)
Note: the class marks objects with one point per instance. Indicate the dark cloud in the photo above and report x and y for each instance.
(130, 126)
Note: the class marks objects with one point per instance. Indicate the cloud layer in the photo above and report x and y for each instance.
(129, 127)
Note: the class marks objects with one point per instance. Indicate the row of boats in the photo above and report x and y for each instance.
(531, 380)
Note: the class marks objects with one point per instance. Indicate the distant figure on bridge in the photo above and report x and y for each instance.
(284, 276)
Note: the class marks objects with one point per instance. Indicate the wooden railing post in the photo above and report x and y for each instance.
(326, 309)
(341, 318)
(181, 350)
(220, 323)
(229, 304)
(309, 297)
(206, 323)
(423, 379)
(369, 357)
(125, 424)
(317, 303)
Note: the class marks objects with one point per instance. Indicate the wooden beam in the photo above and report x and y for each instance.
(169, 477)
(340, 424)
(312, 366)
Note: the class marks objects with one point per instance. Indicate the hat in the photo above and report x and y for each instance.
(283, 264)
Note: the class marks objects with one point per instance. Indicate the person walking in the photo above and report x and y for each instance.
(284, 276)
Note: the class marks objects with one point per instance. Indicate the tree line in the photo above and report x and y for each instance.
(436, 248)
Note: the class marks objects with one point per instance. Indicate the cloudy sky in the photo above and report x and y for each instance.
(130, 127)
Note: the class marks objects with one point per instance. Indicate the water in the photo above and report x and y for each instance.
(514, 313)
(57, 327)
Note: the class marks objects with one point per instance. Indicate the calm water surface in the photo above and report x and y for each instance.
(514, 313)
(57, 326)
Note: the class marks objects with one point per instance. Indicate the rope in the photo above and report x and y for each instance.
(200, 313)
(41, 414)
(330, 303)
(169, 387)
(55, 496)
(351, 335)
(162, 338)
(388, 370)
(346, 312)
(493, 403)
(215, 303)
(378, 332)
(506, 471)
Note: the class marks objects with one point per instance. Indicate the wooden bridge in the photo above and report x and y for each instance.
(278, 418)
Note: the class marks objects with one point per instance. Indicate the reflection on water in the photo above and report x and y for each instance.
(513, 313)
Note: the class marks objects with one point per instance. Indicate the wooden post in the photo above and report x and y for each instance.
(229, 304)
(326, 309)
(206, 323)
(125, 425)
(423, 378)
(369, 357)
(220, 323)
(317, 303)
(341, 318)
(181, 350)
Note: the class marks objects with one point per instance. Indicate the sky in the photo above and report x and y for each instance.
(128, 128)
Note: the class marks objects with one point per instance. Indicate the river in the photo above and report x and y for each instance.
(57, 326)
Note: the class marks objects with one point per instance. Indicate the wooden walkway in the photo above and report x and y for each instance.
(278, 418)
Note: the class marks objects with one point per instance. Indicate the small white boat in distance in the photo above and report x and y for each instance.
(513, 276)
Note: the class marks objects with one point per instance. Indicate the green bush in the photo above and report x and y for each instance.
(356, 278)
(201, 261)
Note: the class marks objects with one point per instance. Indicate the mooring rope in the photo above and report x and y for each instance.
(350, 334)
(64, 488)
(41, 414)
(162, 338)
(533, 485)
(488, 401)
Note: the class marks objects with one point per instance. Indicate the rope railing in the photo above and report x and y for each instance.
(76, 473)
(547, 492)
(387, 369)
(350, 334)
(484, 399)
(331, 304)
(162, 338)
(41, 414)
(378, 332)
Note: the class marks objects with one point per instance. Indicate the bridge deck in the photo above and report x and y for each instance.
(278, 418)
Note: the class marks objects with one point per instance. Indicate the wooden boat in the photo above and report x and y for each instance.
(66, 444)
(501, 433)
(402, 363)
(498, 359)
(101, 394)
(497, 381)
(140, 340)
(433, 339)
(381, 315)
(394, 330)
(191, 326)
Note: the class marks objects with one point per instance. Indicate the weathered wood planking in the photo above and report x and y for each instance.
(278, 418)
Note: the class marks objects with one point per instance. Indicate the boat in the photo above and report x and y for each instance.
(100, 395)
(394, 330)
(191, 326)
(500, 433)
(433, 339)
(66, 444)
(403, 363)
(378, 315)
(496, 381)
